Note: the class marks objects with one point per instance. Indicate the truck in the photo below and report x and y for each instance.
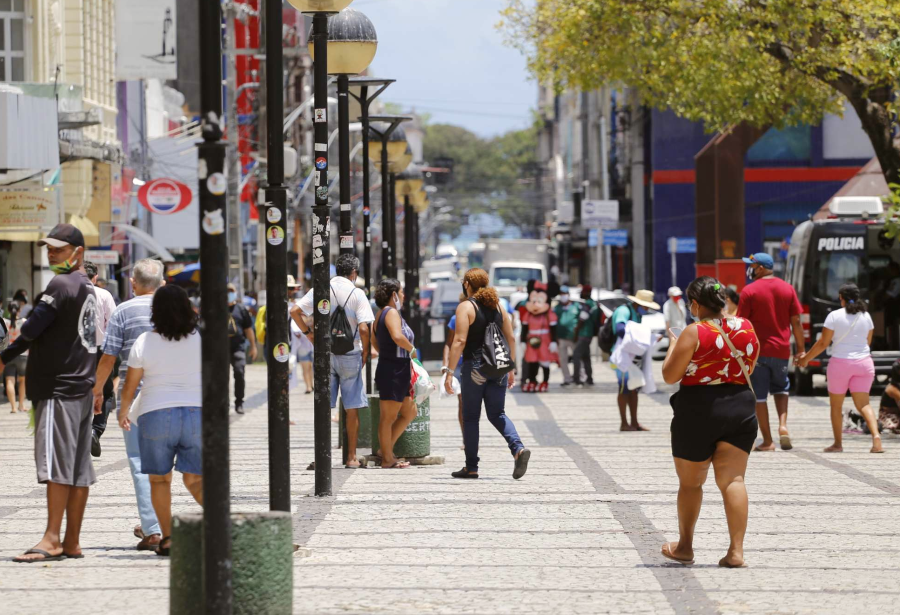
(852, 245)
(511, 263)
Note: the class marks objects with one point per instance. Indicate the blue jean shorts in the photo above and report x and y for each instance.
(171, 437)
(770, 378)
(347, 376)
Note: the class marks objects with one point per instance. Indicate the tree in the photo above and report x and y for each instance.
(489, 175)
(765, 62)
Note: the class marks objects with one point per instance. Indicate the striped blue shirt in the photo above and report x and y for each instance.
(126, 324)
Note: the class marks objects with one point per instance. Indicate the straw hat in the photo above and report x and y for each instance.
(644, 298)
(292, 283)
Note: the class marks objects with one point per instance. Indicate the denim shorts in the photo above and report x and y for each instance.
(171, 437)
(346, 376)
(770, 378)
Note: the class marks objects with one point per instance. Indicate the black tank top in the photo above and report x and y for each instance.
(475, 339)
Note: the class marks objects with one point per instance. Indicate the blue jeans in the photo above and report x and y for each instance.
(475, 390)
(172, 437)
(149, 523)
(346, 376)
(770, 378)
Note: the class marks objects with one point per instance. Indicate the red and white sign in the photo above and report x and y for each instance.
(165, 196)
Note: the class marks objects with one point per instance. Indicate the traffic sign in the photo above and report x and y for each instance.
(165, 196)
(615, 237)
(595, 214)
(682, 245)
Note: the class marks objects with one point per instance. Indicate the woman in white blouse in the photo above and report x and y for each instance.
(168, 361)
(850, 367)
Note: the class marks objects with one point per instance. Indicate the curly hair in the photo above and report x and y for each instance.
(708, 292)
(850, 293)
(385, 290)
(478, 281)
(172, 315)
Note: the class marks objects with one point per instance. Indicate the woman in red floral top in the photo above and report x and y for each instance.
(715, 415)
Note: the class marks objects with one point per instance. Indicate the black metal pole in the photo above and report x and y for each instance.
(368, 278)
(408, 266)
(417, 284)
(321, 244)
(386, 247)
(392, 222)
(217, 564)
(347, 242)
(277, 327)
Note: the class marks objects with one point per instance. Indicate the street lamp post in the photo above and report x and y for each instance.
(408, 183)
(365, 98)
(321, 245)
(419, 202)
(214, 321)
(388, 141)
(352, 43)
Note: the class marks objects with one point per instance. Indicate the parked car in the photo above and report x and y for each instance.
(609, 300)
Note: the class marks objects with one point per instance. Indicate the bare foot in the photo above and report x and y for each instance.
(765, 447)
(638, 427)
(625, 427)
(672, 551)
(53, 550)
(834, 448)
(732, 561)
(876, 446)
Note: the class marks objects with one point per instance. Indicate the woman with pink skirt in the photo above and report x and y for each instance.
(850, 367)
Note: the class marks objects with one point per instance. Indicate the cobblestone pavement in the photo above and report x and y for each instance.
(579, 534)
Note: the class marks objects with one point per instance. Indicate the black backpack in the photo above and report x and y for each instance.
(343, 337)
(606, 338)
(496, 356)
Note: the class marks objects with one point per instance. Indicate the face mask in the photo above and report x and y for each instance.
(642, 311)
(464, 289)
(697, 314)
(396, 300)
(65, 267)
(232, 297)
(564, 298)
(750, 272)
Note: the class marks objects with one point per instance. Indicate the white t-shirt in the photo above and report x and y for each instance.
(106, 305)
(851, 334)
(358, 309)
(171, 373)
(674, 314)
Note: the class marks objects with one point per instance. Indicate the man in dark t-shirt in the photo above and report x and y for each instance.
(61, 337)
(774, 309)
(240, 329)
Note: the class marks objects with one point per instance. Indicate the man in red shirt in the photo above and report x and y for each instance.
(774, 309)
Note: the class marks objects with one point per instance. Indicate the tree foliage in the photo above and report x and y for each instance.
(489, 175)
(766, 62)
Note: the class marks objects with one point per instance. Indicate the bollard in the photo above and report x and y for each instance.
(416, 440)
(262, 564)
(364, 439)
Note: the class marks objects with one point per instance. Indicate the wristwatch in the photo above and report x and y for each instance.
(445, 369)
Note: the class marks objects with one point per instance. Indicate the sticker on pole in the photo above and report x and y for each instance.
(282, 352)
(213, 222)
(165, 196)
(318, 178)
(321, 147)
(216, 184)
(275, 235)
(321, 164)
(322, 192)
(321, 116)
(347, 242)
(273, 215)
(324, 307)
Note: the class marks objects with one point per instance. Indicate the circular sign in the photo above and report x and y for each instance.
(216, 184)
(165, 196)
(324, 306)
(275, 235)
(282, 352)
(321, 164)
(273, 215)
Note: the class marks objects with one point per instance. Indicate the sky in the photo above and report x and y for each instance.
(450, 61)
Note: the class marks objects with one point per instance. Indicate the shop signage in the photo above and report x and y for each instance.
(165, 196)
(28, 209)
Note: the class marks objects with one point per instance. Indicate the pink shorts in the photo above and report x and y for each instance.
(854, 375)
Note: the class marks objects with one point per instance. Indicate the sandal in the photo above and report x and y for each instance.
(164, 551)
(667, 553)
(397, 465)
(45, 557)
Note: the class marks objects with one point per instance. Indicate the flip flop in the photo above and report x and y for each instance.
(668, 555)
(785, 442)
(397, 465)
(46, 557)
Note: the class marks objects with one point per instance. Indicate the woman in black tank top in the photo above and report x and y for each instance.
(472, 318)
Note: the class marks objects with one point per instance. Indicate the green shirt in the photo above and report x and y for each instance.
(590, 326)
(623, 314)
(568, 320)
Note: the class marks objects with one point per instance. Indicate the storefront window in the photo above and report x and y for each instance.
(792, 144)
(12, 40)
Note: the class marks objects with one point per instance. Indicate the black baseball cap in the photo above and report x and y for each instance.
(62, 235)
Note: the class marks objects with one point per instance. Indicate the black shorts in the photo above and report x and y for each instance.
(706, 415)
(393, 377)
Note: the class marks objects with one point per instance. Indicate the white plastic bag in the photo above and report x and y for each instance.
(423, 386)
(457, 388)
